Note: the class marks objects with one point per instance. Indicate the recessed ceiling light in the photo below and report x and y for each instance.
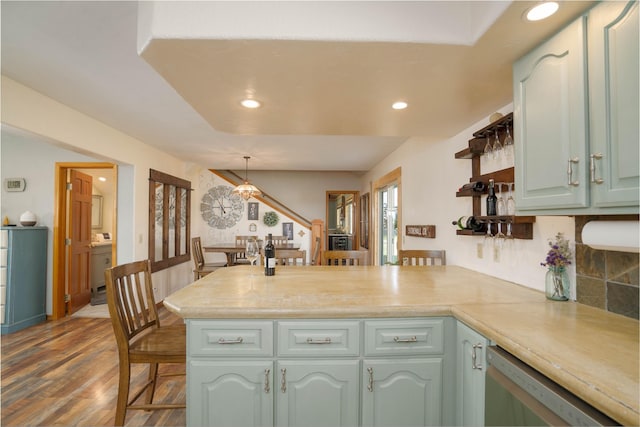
(250, 103)
(542, 11)
(102, 178)
(400, 105)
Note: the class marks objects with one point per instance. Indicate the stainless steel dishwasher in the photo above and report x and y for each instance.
(518, 395)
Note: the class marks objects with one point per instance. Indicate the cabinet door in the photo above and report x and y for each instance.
(402, 392)
(471, 368)
(613, 85)
(550, 114)
(317, 392)
(230, 393)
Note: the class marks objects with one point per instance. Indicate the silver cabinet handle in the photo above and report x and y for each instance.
(474, 357)
(370, 385)
(570, 172)
(410, 339)
(236, 341)
(267, 388)
(322, 341)
(283, 380)
(592, 168)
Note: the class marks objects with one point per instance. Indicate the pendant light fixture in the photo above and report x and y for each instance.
(246, 190)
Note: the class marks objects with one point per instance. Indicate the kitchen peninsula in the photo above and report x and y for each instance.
(591, 353)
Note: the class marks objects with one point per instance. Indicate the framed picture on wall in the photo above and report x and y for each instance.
(252, 214)
(287, 230)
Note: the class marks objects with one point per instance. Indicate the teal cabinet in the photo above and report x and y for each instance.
(550, 118)
(470, 368)
(331, 372)
(23, 277)
(226, 393)
(318, 392)
(613, 92)
(576, 117)
(402, 392)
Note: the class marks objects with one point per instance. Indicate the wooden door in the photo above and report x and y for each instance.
(79, 277)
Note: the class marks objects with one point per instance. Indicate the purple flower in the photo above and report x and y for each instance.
(559, 254)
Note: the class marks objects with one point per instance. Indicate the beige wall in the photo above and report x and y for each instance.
(430, 178)
(77, 136)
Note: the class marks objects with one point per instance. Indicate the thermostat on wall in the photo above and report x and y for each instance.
(15, 184)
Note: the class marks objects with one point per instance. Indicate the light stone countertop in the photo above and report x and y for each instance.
(592, 353)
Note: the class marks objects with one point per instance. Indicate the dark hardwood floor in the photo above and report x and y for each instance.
(65, 373)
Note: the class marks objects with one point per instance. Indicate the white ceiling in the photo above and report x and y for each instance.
(326, 72)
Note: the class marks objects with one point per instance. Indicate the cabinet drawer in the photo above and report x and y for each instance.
(315, 338)
(229, 338)
(403, 337)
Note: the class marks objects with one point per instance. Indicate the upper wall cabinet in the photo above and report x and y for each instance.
(577, 138)
(613, 93)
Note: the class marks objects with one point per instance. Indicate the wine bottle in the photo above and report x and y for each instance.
(476, 187)
(269, 258)
(491, 199)
(468, 223)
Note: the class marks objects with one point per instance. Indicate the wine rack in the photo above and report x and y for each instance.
(521, 226)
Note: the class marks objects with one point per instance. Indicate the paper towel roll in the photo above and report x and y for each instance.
(621, 236)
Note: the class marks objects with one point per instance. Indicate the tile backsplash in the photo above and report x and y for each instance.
(607, 279)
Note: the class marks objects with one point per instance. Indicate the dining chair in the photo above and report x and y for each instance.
(345, 257)
(139, 335)
(277, 240)
(241, 257)
(291, 257)
(201, 268)
(422, 257)
(315, 258)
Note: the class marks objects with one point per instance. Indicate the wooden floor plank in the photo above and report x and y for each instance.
(65, 373)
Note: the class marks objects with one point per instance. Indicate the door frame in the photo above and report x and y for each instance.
(393, 177)
(60, 231)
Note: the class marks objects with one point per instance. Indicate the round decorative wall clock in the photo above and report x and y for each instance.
(221, 208)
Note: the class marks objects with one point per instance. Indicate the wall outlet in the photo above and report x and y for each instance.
(479, 248)
(496, 254)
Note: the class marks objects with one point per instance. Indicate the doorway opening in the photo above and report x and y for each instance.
(78, 218)
(387, 217)
(388, 213)
(342, 220)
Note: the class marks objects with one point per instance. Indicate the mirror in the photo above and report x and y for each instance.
(342, 220)
(96, 211)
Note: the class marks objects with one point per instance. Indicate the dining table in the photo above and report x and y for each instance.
(231, 250)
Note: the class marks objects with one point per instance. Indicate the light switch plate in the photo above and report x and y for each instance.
(479, 248)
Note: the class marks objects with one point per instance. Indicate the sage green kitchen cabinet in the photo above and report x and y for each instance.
(318, 392)
(230, 393)
(470, 369)
(550, 123)
(404, 371)
(332, 372)
(576, 122)
(402, 392)
(613, 93)
(230, 373)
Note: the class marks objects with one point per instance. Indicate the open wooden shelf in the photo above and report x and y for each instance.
(522, 226)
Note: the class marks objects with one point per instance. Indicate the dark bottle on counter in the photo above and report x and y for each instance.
(491, 199)
(269, 258)
(468, 223)
(476, 187)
